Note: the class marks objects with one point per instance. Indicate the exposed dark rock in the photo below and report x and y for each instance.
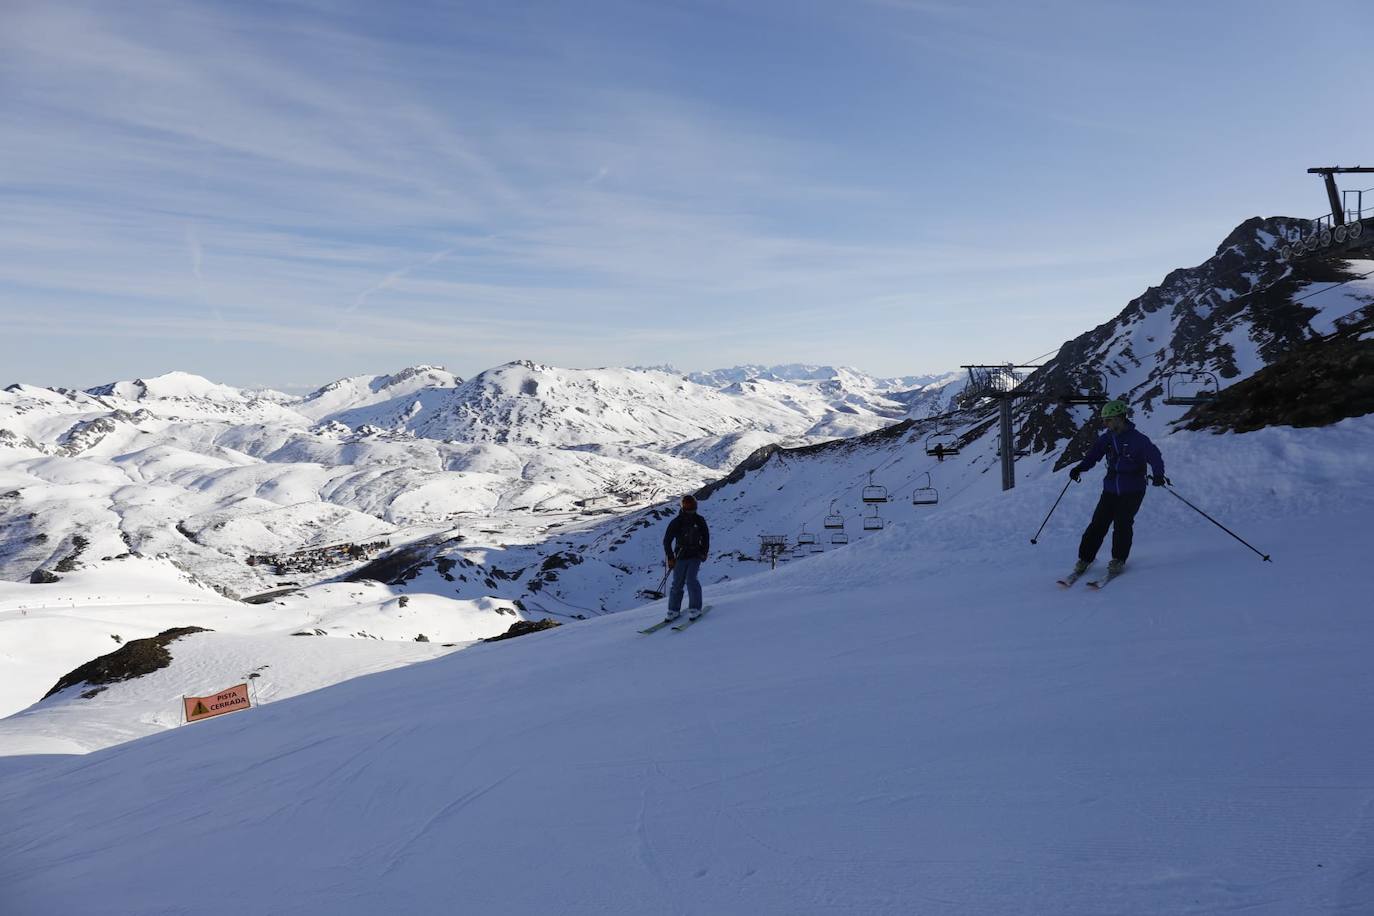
(399, 566)
(1317, 384)
(86, 434)
(524, 627)
(134, 659)
(43, 577)
(68, 563)
(268, 597)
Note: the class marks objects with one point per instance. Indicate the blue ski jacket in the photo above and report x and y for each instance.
(1128, 454)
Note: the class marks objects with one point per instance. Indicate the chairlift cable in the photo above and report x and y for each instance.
(1334, 286)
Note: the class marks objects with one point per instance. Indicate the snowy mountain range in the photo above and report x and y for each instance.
(211, 476)
(899, 710)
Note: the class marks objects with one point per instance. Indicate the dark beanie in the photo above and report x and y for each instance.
(689, 501)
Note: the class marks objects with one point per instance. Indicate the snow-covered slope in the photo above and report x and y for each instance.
(920, 722)
(47, 631)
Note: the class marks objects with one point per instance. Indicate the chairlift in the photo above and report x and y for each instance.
(1091, 388)
(1184, 389)
(874, 493)
(942, 445)
(806, 538)
(925, 496)
(839, 539)
(817, 548)
(834, 521)
(873, 522)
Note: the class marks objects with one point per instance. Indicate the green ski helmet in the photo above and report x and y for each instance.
(1114, 409)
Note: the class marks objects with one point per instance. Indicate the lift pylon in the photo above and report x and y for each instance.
(1329, 173)
(1002, 383)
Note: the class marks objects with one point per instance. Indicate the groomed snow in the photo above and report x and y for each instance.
(920, 723)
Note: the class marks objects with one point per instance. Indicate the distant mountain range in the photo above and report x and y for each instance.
(210, 474)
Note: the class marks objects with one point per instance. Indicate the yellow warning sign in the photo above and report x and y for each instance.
(231, 700)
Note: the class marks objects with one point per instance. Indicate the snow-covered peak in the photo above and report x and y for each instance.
(175, 386)
(360, 391)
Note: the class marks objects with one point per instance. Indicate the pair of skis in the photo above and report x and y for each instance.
(681, 626)
(1095, 585)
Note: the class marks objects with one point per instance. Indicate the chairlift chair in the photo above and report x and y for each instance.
(1184, 389)
(834, 521)
(925, 496)
(874, 493)
(805, 538)
(873, 522)
(1091, 388)
(942, 445)
(839, 539)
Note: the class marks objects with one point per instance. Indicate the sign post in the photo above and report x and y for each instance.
(216, 704)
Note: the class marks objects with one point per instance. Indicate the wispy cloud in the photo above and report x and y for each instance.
(502, 181)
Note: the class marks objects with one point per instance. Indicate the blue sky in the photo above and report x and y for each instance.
(282, 193)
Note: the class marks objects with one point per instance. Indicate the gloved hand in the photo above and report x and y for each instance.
(1075, 474)
(672, 561)
(1159, 480)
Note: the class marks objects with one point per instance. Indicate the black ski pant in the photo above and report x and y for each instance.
(1117, 512)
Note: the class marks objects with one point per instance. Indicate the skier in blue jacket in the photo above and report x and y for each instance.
(1128, 452)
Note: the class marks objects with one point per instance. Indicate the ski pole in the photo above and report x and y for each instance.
(1209, 518)
(1052, 508)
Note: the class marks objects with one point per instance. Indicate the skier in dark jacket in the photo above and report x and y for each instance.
(1128, 452)
(686, 544)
